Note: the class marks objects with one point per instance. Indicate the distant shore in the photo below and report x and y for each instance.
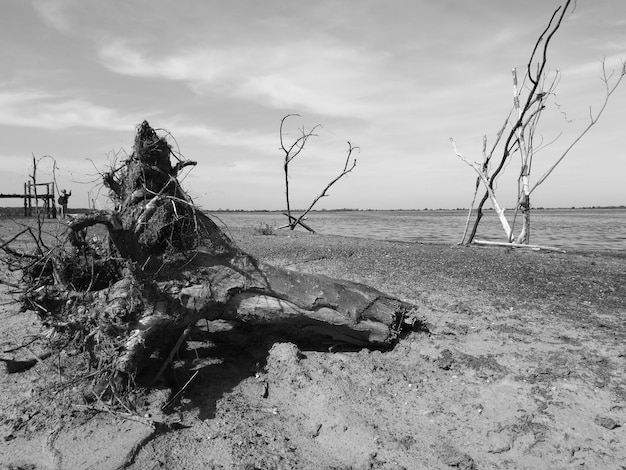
(18, 211)
(407, 210)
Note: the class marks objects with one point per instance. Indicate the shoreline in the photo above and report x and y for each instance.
(258, 226)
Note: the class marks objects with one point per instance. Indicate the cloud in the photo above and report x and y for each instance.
(54, 13)
(44, 110)
(195, 67)
(310, 76)
(251, 139)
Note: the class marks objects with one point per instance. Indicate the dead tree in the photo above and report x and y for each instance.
(291, 151)
(529, 102)
(169, 265)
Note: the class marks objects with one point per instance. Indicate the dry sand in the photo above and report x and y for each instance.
(521, 366)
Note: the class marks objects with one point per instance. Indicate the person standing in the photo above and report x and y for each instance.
(63, 202)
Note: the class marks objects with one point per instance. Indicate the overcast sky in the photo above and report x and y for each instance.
(397, 78)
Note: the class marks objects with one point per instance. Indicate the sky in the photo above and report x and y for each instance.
(396, 78)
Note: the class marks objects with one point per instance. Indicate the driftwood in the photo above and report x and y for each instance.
(169, 265)
(518, 245)
(296, 221)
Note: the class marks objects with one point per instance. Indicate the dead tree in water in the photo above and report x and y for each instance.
(291, 151)
(529, 102)
(169, 266)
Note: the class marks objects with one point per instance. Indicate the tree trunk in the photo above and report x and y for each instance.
(524, 236)
(235, 286)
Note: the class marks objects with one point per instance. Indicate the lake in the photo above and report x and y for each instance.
(588, 229)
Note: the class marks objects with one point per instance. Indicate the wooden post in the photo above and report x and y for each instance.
(53, 201)
(46, 202)
(30, 201)
(25, 198)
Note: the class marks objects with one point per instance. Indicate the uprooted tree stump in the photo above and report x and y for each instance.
(168, 265)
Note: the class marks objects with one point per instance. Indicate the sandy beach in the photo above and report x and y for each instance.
(519, 364)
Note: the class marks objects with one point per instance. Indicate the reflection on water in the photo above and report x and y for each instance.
(565, 228)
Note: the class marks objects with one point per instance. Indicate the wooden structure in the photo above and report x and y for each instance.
(32, 192)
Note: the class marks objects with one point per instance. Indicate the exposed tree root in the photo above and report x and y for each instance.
(167, 266)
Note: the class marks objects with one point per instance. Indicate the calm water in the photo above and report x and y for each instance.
(566, 228)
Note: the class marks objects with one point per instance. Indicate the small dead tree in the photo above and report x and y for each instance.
(529, 102)
(291, 151)
(167, 266)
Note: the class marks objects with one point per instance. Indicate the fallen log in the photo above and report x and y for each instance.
(177, 267)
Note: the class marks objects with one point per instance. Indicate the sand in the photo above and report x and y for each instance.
(520, 365)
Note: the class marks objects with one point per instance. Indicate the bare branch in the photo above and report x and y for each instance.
(345, 171)
(609, 90)
(292, 151)
(482, 174)
(298, 145)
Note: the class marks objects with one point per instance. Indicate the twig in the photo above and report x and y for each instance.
(17, 348)
(5, 243)
(104, 407)
(173, 352)
(40, 358)
(180, 391)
